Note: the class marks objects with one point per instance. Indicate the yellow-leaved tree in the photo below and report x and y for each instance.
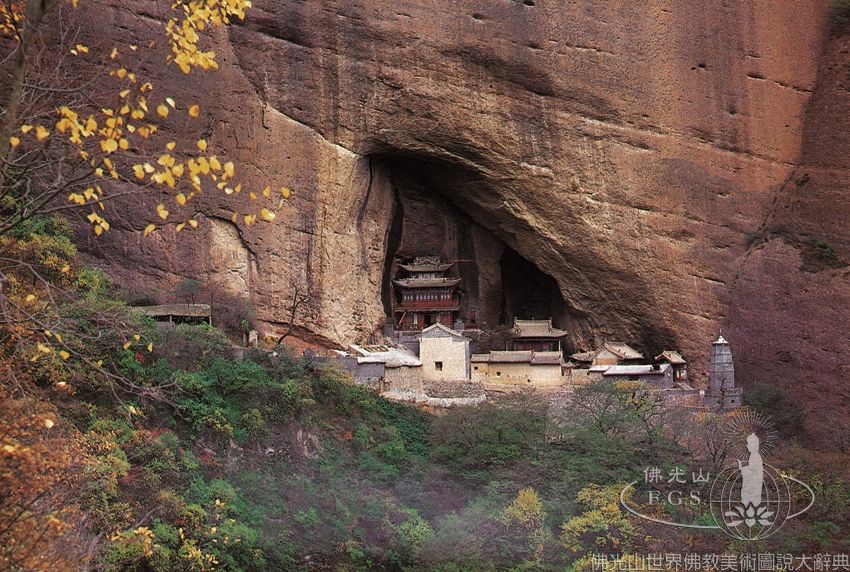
(80, 126)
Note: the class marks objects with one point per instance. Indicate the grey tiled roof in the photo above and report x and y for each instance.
(536, 329)
(635, 370)
(671, 356)
(622, 350)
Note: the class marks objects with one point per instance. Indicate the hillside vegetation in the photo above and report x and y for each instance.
(163, 453)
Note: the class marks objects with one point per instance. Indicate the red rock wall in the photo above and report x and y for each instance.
(643, 153)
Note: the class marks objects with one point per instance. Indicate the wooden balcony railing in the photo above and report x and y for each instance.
(428, 305)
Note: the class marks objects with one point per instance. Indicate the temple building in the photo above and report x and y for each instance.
(611, 353)
(721, 392)
(426, 295)
(170, 314)
(444, 354)
(537, 335)
(515, 369)
(675, 359)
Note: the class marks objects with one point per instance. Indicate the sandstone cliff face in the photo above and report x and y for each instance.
(668, 165)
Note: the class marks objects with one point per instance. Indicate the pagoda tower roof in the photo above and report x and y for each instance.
(426, 264)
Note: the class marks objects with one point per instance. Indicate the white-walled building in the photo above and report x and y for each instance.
(444, 354)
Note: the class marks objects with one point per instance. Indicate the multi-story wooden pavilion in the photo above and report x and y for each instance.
(425, 295)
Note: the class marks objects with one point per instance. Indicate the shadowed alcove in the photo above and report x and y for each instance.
(433, 216)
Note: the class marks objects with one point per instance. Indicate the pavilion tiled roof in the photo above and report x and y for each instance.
(426, 264)
(536, 329)
(528, 356)
(440, 330)
(584, 357)
(672, 357)
(622, 350)
(426, 282)
(551, 358)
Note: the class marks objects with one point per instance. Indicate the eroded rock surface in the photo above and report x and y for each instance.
(668, 164)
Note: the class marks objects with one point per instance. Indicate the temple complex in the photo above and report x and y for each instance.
(425, 295)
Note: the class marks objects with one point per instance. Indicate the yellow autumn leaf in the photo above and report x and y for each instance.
(65, 355)
(127, 345)
(150, 346)
(162, 110)
(49, 423)
(65, 269)
(267, 191)
(181, 199)
(30, 298)
(109, 145)
(160, 210)
(26, 128)
(267, 215)
(170, 145)
(41, 133)
(14, 142)
(193, 223)
(284, 192)
(202, 144)
(194, 110)
(149, 229)
(139, 171)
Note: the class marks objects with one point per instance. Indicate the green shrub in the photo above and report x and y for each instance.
(189, 347)
(44, 225)
(307, 518)
(92, 282)
(413, 533)
(253, 422)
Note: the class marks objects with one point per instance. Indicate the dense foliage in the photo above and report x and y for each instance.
(150, 448)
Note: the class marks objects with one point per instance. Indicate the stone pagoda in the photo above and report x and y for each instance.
(721, 392)
(425, 295)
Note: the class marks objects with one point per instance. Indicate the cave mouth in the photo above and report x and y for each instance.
(528, 292)
(436, 214)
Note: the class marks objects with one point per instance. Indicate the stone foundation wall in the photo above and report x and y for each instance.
(403, 380)
(453, 389)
